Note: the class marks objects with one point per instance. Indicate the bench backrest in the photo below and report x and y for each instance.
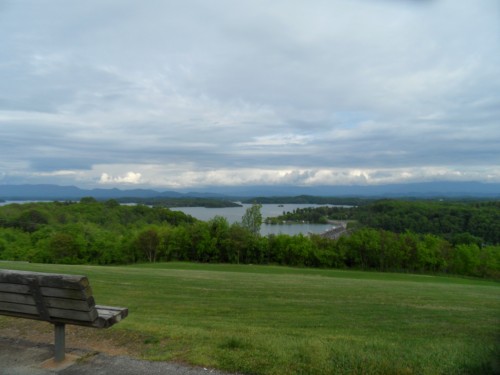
(55, 298)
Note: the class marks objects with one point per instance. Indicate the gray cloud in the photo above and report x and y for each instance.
(183, 93)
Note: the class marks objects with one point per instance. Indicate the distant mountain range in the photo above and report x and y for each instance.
(416, 190)
(56, 192)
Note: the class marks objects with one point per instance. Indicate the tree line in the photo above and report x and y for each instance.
(310, 199)
(181, 202)
(459, 222)
(92, 232)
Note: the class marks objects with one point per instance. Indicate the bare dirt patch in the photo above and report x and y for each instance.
(109, 341)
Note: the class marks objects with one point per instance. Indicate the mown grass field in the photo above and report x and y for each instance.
(277, 320)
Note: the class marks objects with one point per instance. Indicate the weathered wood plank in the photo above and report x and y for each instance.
(104, 321)
(70, 304)
(20, 315)
(45, 279)
(82, 294)
(79, 294)
(24, 299)
(73, 315)
(65, 281)
(109, 315)
(18, 308)
(38, 297)
(55, 298)
(60, 303)
(107, 312)
(14, 288)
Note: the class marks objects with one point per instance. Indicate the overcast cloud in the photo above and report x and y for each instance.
(187, 93)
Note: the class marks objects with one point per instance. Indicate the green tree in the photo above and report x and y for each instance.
(65, 248)
(88, 200)
(219, 231)
(148, 242)
(14, 244)
(489, 262)
(299, 251)
(466, 259)
(31, 220)
(179, 243)
(252, 219)
(429, 250)
(203, 247)
(239, 240)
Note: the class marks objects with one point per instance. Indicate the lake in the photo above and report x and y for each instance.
(234, 214)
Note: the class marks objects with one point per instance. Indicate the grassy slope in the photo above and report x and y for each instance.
(276, 320)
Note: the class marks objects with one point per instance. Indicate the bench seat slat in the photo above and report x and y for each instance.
(109, 315)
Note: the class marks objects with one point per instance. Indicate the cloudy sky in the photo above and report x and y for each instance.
(192, 93)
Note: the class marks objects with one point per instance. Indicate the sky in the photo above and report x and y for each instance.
(177, 94)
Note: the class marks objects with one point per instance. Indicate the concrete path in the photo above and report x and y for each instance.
(21, 357)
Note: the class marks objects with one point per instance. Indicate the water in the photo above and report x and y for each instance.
(234, 214)
(5, 203)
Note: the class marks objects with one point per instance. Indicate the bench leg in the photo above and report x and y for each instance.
(60, 345)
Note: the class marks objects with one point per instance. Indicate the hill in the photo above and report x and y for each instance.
(416, 190)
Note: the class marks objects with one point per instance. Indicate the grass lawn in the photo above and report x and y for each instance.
(278, 320)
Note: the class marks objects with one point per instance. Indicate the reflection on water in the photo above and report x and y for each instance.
(234, 214)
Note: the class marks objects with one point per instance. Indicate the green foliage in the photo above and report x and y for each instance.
(219, 230)
(469, 222)
(252, 219)
(181, 202)
(310, 199)
(15, 244)
(88, 200)
(458, 222)
(85, 232)
(317, 215)
(94, 232)
(148, 243)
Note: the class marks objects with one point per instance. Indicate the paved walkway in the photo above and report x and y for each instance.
(21, 357)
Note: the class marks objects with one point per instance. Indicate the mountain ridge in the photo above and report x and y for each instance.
(416, 190)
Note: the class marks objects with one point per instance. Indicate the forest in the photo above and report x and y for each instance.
(181, 202)
(310, 199)
(400, 236)
(459, 222)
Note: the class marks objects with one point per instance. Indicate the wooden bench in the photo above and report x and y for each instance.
(55, 298)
